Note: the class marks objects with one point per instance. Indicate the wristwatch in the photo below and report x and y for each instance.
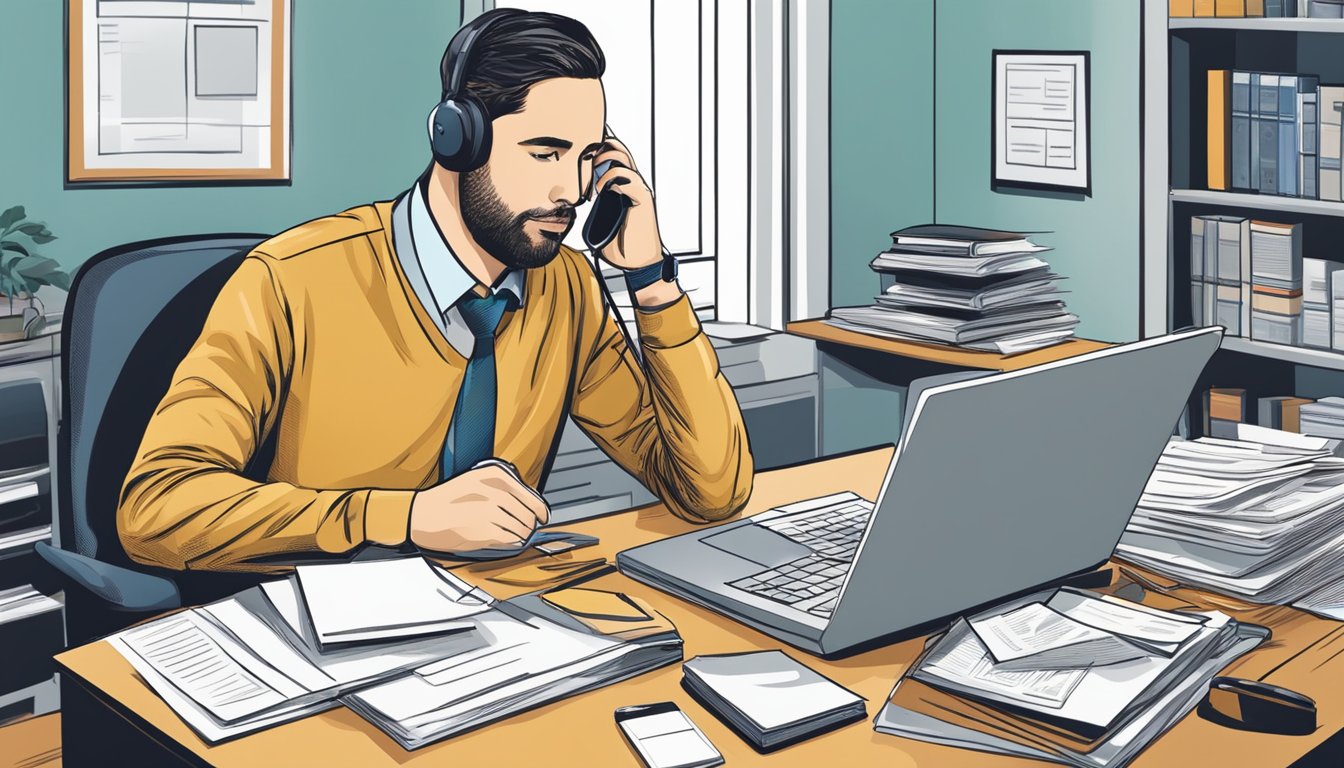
(636, 279)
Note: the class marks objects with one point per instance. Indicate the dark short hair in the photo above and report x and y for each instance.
(523, 48)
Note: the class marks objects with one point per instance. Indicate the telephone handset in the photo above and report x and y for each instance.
(608, 212)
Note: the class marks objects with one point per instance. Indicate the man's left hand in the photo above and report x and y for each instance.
(638, 244)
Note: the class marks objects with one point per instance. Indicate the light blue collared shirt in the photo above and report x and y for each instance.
(438, 278)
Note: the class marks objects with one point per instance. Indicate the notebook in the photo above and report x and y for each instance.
(768, 698)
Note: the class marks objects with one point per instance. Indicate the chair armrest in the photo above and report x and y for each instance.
(121, 588)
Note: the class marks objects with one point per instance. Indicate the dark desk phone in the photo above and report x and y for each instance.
(608, 211)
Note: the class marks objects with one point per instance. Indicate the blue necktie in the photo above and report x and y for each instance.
(473, 433)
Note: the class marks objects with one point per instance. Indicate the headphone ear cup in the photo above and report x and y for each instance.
(460, 134)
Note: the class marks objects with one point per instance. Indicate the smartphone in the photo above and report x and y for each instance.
(608, 212)
(665, 737)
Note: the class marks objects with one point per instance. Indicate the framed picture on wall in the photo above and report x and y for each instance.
(1042, 131)
(178, 91)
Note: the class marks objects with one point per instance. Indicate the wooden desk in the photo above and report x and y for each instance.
(1306, 654)
(819, 330)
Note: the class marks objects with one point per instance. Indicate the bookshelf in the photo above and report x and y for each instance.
(1258, 202)
(1272, 25)
(1176, 104)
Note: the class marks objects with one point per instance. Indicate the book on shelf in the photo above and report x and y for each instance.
(1240, 149)
(1204, 9)
(1337, 311)
(1180, 9)
(1305, 133)
(1327, 9)
(1317, 277)
(1330, 107)
(1229, 8)
(1220, 129)
(1224, 409)
(1276, 282)
(1282, 412)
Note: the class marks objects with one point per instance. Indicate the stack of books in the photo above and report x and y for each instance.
(1323, 418)
(1069, 677)
(981, 289)
(1275, 134)
(1260, 518)
(1251, 278)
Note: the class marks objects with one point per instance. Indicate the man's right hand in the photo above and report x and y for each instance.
(486, 507)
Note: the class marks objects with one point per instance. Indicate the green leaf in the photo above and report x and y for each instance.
(36, 266)
(41, 238)
(32, 230)
(10, 245)
(60, 280)
(10, 216)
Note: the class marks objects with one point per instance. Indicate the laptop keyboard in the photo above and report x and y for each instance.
(812, 583)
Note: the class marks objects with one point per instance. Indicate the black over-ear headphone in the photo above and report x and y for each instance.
(459, 128)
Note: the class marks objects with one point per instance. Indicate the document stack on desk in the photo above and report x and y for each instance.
(1068, 708)
(253, 660)
(977, 288)
(1260, 518)
(769, 698)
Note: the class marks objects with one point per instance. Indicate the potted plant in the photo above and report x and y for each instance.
(22, 272)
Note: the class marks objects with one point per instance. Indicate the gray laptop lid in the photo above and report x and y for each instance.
(1004, 482)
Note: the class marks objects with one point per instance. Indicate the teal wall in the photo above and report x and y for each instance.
(364, 77)
(881, 134)
(891, 166)
(1096, 239)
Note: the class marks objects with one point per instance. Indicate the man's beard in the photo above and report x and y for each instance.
(500, 231)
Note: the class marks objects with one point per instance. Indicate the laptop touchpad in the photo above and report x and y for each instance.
(759, 545)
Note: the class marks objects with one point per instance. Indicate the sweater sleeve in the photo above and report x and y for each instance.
(671, 421)
(185, 503)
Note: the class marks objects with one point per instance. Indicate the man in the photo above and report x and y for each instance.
(414, 361)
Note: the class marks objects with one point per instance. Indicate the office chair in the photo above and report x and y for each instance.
(133, 313)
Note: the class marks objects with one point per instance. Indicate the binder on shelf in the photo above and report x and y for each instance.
(1204, 8)
(1220, 129)
(1317, 277)
(1180, 9)
(1287, 160)
(1241, 132)
(1265, 132)
(1230, 8)
(1255, 8)
(1306, 134)
(1327, 9)
(1282, 412)
(1224, 409)
(1330, 106)
(1337, 311)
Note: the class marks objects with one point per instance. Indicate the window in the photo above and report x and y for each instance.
(717, 110)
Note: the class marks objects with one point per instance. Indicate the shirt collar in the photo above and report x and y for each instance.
(447, 280)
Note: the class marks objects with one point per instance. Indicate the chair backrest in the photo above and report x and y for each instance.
(132, 315)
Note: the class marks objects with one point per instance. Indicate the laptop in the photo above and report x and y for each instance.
(1000, 483)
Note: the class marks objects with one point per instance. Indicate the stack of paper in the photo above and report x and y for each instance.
(253, 660)
(22, 602)
(1090, 714)
(1324, 418)
(978, 288)
(770, 698)
(384, 600)
(588, 643)
(1261, 518)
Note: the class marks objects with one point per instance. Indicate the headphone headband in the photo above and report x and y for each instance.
(460, 48)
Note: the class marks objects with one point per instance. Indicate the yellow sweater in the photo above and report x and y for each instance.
(319, 335)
